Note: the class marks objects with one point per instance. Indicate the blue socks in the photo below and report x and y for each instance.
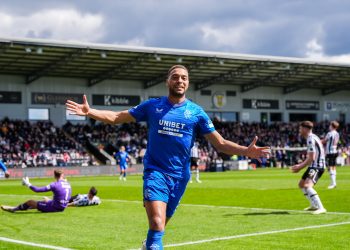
(154, 240)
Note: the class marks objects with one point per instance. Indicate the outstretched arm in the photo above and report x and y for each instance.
(4, 168)
(231, 148)
(40, 189)
(106, 116)
(26, 182)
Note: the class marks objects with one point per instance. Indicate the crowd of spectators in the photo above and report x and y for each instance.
(133, 136)
(282, 137)
(39, 144)
(24, 144)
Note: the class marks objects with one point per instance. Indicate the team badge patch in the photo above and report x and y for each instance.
(187, 114)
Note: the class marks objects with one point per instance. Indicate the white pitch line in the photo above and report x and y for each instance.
(202, 205)
(33, 244)
(255, 234)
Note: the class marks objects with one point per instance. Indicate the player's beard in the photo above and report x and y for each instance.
(174, 93)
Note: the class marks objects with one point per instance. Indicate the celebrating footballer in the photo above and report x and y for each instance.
(173, 124)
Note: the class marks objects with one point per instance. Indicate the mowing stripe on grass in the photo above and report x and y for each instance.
(21, 242)
(233, 207)
(202, 205)
(255, 234)
(260, 209)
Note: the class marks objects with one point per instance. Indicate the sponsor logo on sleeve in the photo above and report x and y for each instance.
(210, 124)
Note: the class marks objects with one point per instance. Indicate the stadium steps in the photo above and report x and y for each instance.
(91, 149)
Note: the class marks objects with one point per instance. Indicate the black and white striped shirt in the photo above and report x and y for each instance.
(314, 144)
(332, 139)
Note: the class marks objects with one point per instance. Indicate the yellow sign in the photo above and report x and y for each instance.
(219, 99)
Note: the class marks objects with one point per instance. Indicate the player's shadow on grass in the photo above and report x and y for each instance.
(30, 211)
(267, 213)
(259, 213)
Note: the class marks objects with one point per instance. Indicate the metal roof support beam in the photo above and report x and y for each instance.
(230, 75)
(311, 83)
(275, 78)
(4, 48)
(331, 90)
(116, 70)
(155, 81)
(291, 89)
(54, 65)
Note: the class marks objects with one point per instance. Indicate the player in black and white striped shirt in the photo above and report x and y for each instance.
(81, 200)
(331, 140)
(316, 163)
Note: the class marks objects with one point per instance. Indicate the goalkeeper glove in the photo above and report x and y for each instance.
(25, 182)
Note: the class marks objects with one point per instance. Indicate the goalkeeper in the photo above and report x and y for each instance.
(61, 190)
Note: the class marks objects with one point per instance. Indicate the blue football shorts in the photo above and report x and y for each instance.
(158, 186)
(123, 167)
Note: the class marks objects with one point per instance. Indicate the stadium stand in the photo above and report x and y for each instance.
(24, 144)
(42, 144)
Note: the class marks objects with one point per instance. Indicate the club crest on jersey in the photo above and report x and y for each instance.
(187, 114)
(159, 111)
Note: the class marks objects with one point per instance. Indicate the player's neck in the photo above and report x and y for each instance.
(176, 100)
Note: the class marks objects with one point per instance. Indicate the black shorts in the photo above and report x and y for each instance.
(194, 162)
(313, 174)
(331, 159)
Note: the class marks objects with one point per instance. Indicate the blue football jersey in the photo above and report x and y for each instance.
(172, 130)
(122, 158)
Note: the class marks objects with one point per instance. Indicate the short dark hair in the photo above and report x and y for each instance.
(335, 124)
(58, 173)
(307, 124)
(177, 66)
(93, 191)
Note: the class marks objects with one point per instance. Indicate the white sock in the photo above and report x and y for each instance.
(307, 196)
(333, 174)
(197, 174)
(316, 201)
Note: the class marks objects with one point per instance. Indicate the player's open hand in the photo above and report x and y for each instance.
(26, 182)
(295, 169)
(78, 109)
(258, 152)
(7, 174)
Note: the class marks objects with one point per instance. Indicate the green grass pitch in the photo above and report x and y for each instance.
(239, 205)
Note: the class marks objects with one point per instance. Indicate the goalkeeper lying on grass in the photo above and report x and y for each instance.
(61, 190)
